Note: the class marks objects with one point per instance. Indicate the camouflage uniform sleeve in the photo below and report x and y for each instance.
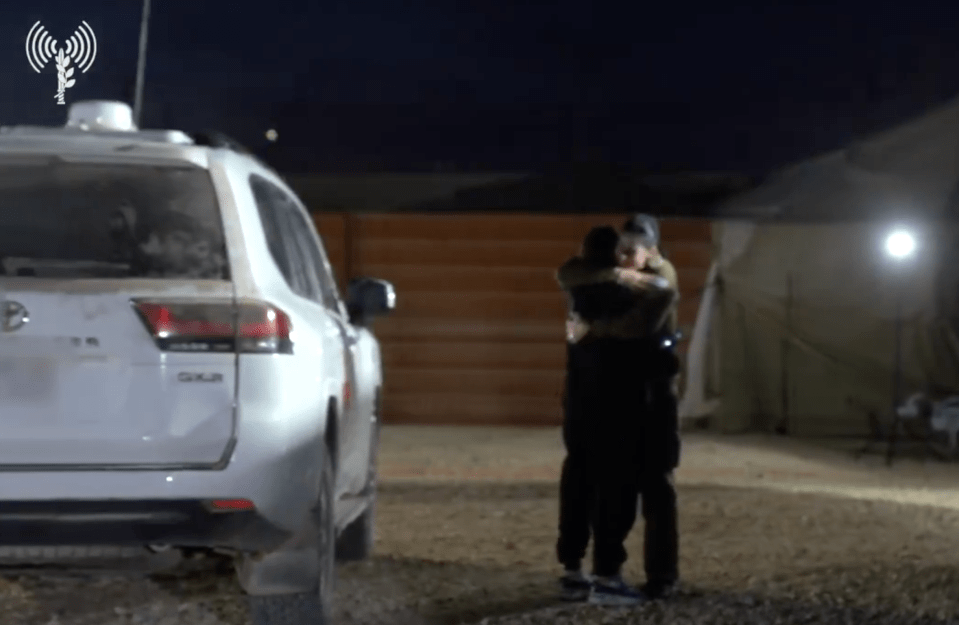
(668, 272)
(651, 306)
(569, 274)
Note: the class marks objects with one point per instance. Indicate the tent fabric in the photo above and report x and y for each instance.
(803, 317)
(895, 150)
(837, 188)
(910, 171)
(703, 362)
(698, 400)
(834, 189)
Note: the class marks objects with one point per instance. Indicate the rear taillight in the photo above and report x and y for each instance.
(230, 505)
(247, 327)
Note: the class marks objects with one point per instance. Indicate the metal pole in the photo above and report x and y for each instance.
(896, 378)
(897, 367)
(785, 422)
(141, 63)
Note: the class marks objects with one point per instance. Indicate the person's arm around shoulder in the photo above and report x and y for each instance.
(578, 272)
(665, 269)
(668, 272)
(652, 299)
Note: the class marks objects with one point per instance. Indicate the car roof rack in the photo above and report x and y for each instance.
(216, 139)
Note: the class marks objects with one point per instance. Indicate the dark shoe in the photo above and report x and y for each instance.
(574, 586)
(613, 591)
(659, 590)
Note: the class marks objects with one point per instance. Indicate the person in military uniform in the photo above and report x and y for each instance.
(660, 446)
(615, 312)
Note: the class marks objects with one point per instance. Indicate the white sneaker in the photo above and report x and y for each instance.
(613, 591)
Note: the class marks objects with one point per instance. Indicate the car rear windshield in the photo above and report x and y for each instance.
(70, 220)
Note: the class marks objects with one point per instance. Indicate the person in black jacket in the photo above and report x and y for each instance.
(611, 308)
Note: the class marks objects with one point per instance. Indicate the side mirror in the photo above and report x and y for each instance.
(368, 298)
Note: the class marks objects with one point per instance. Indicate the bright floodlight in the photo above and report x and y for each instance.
(900, 244)
(271, 135)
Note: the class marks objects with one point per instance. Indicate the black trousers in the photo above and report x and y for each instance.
(657, 486)
(615, 437)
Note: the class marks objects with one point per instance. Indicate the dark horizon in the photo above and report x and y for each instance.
(498, 87)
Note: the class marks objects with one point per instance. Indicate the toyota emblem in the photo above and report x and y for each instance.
(15, 315)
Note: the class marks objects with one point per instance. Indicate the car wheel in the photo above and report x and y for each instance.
(307, 608)
(356, 540)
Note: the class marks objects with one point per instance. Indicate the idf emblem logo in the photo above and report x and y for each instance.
(79, 52)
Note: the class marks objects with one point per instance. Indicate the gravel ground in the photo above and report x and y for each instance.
(773, 531)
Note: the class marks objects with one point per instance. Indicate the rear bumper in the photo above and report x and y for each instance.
(276, 465)
(144, 507)
(182, 523)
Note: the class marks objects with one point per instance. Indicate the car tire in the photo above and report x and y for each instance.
(313, 608)
(356, 540)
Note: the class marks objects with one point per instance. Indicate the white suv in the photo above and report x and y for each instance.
(177, 367)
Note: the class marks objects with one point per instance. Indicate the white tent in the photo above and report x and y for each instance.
(795, 328)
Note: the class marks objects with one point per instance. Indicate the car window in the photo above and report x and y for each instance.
(292, 234)
(271, 226)
(306, 235)
(73, 220)
(304, 282)
(280, 239)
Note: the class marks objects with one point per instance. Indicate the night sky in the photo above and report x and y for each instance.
(506, 84)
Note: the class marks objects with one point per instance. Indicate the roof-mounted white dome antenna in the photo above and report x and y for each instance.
(101, 115)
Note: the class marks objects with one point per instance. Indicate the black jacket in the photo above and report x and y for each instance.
(614, 302)
(617, 394)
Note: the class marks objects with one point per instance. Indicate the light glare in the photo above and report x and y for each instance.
(900, 244)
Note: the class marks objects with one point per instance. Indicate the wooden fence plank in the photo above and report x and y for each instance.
(499, 382)
(529, 254)
(437, 408)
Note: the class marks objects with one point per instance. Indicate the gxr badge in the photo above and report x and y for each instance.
(200, 377)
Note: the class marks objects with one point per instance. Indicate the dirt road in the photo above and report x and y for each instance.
(772, 531)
